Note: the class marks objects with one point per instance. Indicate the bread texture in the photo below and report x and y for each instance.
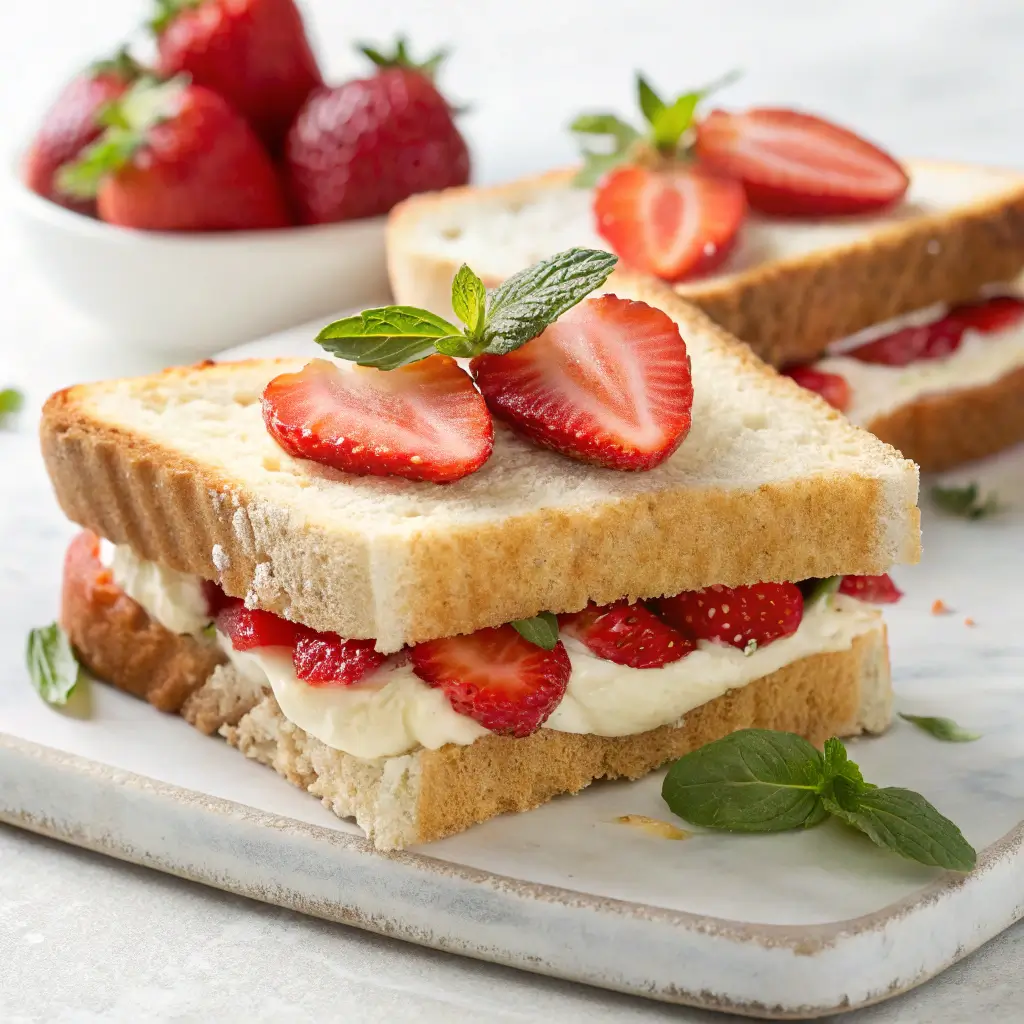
(788, 289)
(770, 484)
(428, 794)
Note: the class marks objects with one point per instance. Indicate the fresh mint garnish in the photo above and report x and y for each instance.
(965, 502)
(667, 133)
(757, 780)
(541, 630)
(942, 728)
(11, 400)
(519, 310)
(52, 665)
(821, 590)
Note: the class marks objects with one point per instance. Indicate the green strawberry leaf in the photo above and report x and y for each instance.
(528, 301)
(596, 166)
(52, 665)
(651, 104)
(942, 728)
(541, 630)
(670, 123)
(401, 58)
(11, 401)
(167, 11)
(389, 336)
(469, 301)
(965, 501)
(606, 124)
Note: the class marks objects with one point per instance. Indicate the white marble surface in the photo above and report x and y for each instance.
(82, 938)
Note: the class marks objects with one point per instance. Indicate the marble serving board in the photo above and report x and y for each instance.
(787, 926)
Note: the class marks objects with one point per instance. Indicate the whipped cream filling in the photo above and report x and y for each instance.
(392, 711)
(877, 390)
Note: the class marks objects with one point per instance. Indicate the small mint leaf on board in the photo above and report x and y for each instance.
(965, 501)
(11, 401)
(904, 822)
(534, 298)
(469, 301)
(541, 630)
(753, 780)
(390, 336)
(942, 728)
(52, 665)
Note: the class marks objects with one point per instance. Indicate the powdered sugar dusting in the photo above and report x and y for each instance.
(221, 559)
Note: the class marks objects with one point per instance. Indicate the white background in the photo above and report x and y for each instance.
(84, 939)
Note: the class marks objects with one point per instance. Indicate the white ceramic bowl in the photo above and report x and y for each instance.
(189, 295)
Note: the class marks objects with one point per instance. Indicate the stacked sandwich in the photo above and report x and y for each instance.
(456, 571)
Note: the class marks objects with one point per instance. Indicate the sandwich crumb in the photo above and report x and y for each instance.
(653, 826)
(969, 621)
(939, 607)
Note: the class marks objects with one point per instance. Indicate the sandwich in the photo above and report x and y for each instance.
(791, 233)
(453, 572)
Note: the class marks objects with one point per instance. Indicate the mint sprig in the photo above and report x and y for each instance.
(667, 132)
(391, 336)
(52, 665)
(965, 502)
(757, 780)
(11, 401)
(942, 728)
(541, 630)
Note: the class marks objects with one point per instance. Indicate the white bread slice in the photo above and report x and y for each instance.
(788, 289)
(770, 484)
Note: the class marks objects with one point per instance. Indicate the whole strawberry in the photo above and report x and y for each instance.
(359, 148)
(177, 157)
(72, 123)
(255, 53)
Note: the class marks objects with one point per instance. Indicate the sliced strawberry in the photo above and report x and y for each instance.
(912, 344)
(628, 634)
(247, 628)
(874, 589)
(833, 387)
(672, 224)
(607, 383)
(761, 612)
(325, 659)
(496, 677)
(424, 421)
(798, 165)
(989, 315)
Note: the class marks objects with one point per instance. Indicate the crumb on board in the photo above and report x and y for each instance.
(969, 621)
(653, 826)
(939, 607)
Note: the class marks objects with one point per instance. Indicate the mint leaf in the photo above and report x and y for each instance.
(52, 665)
(541, 630)
(528, 301)
(821, 590)
(11, 401)
(754, 780)
(942, 728)
(469, 300)
(965, 501)
(390, 336)
(651, 104)
(904, 822)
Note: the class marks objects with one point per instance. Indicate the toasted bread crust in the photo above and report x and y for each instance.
(789, 310)
(175, 510)
(941, 431)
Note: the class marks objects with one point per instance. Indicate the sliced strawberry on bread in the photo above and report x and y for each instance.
(797, 165)
(873, 589)
(423, 421)
(627, 634)
(326, 659)
(608, 383)
(833, 387)
(496, 677)
(248, 628)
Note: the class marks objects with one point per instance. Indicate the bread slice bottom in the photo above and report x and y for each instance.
(429, 794)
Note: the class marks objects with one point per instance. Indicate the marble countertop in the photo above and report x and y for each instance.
(83, 938)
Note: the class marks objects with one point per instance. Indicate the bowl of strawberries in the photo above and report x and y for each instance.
(223, 189)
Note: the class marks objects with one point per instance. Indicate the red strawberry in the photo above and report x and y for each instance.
(672, 224)
(424, 421)
(761, 612)
(798, 165)
(496, 677)
(834, 388)
(607, 383)
(875, 589)
(72, 123)
(911, 344)
(988, 316)
(359, 148)
(216, 599)
(325, 659)
(247, 628)
(178, 158)
(254, 53)
(628, 634)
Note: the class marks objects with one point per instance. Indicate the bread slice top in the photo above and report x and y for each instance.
(770, 484)
(788, 288)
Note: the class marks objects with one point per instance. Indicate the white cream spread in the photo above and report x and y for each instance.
(393, 711)
(876, 390)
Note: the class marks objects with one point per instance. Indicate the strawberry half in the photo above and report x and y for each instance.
(798, 165)
(874, 589)
(423, 421)
(607, 383)
(761, 612)
(497, 678)
(669, 223)
(989, 315)
(325, 659)
(833, 387)
(627, 634)
(247, 628)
